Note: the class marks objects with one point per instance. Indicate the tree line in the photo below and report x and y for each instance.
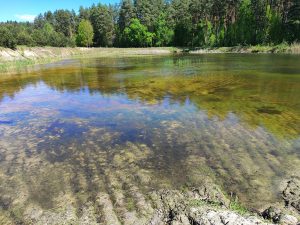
(145, 23)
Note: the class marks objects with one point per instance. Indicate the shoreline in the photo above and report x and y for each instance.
(24, 57)
(257, 49)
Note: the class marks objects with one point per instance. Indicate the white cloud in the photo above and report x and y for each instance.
(25, 17)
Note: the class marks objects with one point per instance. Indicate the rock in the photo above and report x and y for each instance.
(273, 214)
(209, 193)
(193, 207)
(291, 194)
(277, 216)
(288, 220)
(221, 217)
(180, 220)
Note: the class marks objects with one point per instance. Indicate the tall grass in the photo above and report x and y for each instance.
(17, 65)
(295, 48)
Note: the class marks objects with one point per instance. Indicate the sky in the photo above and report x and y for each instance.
(26, 10)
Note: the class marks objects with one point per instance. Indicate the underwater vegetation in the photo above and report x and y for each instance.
(91, 137)
(261, 97)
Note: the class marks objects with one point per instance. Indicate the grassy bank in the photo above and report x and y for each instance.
(281, 48)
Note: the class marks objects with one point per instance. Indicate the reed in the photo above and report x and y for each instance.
(295, 48)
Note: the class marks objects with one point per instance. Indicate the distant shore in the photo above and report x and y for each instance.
(281, 48)
(11, 60)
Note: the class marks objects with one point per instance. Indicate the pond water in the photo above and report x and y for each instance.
(127, 126)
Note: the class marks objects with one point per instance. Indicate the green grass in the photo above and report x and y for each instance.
(12, 66)
(234, 205)
(130, 204)
(7, 66)
(237, 207)
(280, 48)
(199, 203)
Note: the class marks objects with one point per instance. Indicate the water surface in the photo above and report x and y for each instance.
(127, 126)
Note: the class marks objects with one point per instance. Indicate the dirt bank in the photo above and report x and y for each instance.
(11, 60)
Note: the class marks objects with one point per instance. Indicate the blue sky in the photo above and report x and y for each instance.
(24, 10)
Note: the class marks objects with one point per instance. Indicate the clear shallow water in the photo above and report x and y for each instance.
(120, 126)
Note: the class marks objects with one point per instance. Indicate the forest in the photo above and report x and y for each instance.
(147, 23)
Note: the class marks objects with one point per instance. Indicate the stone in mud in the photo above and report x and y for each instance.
(279, 216)
(291, 194)
(180, 220)
(174, 207)
(272, 213)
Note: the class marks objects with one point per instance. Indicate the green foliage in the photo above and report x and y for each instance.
(24, 38)
(39, 21)
(64, 22)
(205, 35)
(191, 23)
(103, 24)
(201, 203)
(183, 23)
(293, 23)
(236, 206)
(245, 31)
(148, 11)
(163, 33)
(274, 31)
(137, 35)
(55, 29)
(47, 36)
(85, 34)
(259, 19)
(7, 39)
(126, 13)
(84, 13)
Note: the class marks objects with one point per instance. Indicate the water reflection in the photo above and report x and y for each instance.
(122, 127)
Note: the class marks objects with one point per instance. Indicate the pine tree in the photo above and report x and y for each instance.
(148, 11)
(127, 12)
(103, 24)
(293, 21)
